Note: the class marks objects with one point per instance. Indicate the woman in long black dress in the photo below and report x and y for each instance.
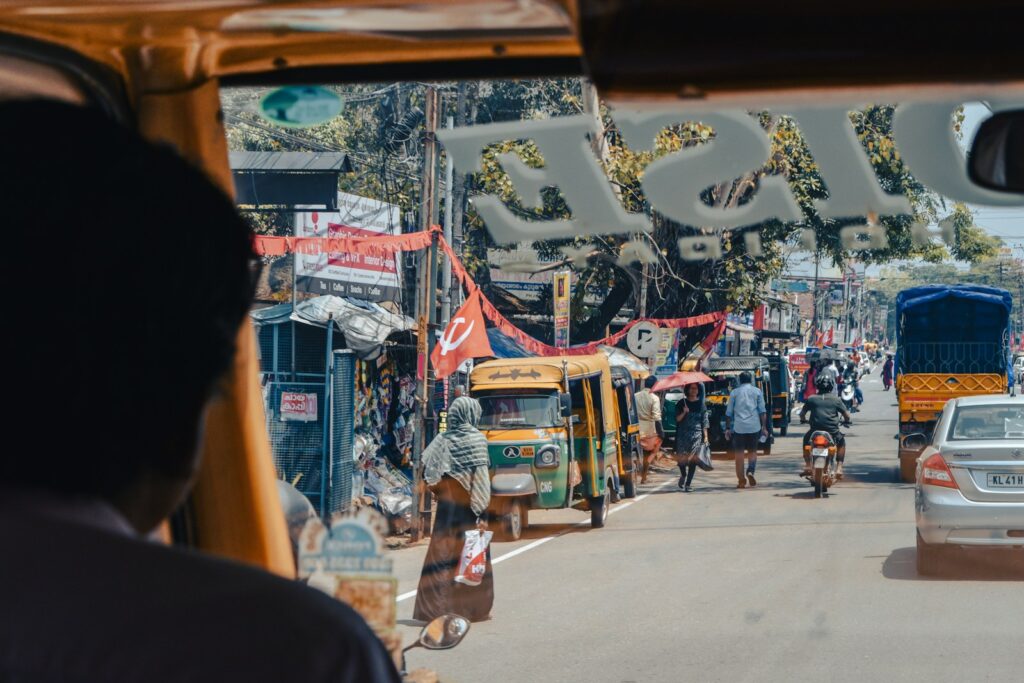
(455, 467)
(692, 425)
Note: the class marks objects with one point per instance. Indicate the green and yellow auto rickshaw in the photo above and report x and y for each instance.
(552, 429)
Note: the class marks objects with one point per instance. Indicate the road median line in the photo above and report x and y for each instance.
(541, 541)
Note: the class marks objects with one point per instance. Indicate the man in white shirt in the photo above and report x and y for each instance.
(648, 408)
(745, 421)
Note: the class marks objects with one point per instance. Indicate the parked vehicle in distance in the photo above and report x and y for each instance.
(725, 372)
(970, 481)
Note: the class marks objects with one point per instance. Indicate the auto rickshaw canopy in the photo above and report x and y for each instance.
(548, 372)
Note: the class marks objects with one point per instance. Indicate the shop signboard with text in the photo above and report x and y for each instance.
(360, 276)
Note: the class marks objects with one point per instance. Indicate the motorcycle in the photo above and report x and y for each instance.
(822, 451)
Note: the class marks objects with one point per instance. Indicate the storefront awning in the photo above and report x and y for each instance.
(364, 324)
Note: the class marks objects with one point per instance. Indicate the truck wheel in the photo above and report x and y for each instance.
(599, 508)
(514, 520)
(908, 468)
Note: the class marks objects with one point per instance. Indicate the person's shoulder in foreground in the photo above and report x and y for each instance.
(85, 603)
(130, 343)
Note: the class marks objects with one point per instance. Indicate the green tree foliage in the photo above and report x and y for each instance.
(388, 160)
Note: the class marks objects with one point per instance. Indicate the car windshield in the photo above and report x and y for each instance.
(971, 423)
(511, 411)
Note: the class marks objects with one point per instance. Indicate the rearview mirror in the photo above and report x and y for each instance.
(996, 161)
(444, 632)
(565, 404)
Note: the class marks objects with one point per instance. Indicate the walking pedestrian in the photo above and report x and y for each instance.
(745, 421)
(692, 424)
(652, 433)
(887, 372)
(455, 467)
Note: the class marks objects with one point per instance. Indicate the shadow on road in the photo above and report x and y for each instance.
(979, 565)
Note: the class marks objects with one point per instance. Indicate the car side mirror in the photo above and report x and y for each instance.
(565, 404)
(996, 160)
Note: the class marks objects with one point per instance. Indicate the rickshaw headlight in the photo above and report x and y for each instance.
(546, 458)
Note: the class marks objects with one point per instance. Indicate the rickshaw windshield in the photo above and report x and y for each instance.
(510, 410)
(722, 386)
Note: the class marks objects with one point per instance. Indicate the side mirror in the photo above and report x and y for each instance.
(914, 442)
(443, 633)
(576, 419)
(996, 160)
(565, 404)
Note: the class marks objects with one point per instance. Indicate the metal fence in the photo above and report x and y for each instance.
(298, 445)
(312, 450)
(958, 358)
(343, 400)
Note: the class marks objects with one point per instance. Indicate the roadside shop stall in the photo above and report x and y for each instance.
(335, 388)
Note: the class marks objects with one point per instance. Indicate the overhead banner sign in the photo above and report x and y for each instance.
(561, 289)
(371, 277)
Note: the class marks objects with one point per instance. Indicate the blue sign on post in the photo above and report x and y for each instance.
(664, 370)
(790, 286)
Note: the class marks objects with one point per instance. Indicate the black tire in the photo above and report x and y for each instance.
(816, 480)
(599, 508)
(514, 520)
(930, 558)
(783, 429)
(908, 468)
(629, 481)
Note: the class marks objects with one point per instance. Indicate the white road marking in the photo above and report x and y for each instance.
(541, 541)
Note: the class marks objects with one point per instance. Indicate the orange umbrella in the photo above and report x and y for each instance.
(679, 379)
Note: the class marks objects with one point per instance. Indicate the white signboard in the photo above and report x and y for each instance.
(643, 339)
(371, 278)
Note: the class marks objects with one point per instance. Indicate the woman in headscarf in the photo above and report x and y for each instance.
(455, 467)
(692, 424)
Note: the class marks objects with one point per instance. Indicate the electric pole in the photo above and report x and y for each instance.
(427, 309)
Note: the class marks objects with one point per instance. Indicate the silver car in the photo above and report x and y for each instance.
(970, 481)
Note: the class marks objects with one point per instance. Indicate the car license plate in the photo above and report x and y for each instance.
(1000, 480)
(819, 451)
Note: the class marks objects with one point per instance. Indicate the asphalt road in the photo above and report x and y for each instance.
(762, 584)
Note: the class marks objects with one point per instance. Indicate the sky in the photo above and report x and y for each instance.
(1007, 223)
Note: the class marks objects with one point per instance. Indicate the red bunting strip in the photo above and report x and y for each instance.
(385, 244)
(388, 244)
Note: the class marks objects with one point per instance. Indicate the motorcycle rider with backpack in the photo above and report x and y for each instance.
(826, 411)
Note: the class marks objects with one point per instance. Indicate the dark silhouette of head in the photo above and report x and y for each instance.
(133, 276)
(745, 378)
(650, 382)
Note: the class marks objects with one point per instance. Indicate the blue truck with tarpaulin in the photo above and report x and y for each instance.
(951, 341)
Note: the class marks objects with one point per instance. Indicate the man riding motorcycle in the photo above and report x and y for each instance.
(825, 409)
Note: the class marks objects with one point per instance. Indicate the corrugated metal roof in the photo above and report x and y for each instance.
(731, 363)
(291, 162)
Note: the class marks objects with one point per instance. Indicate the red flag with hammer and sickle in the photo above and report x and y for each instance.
(465, 337)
